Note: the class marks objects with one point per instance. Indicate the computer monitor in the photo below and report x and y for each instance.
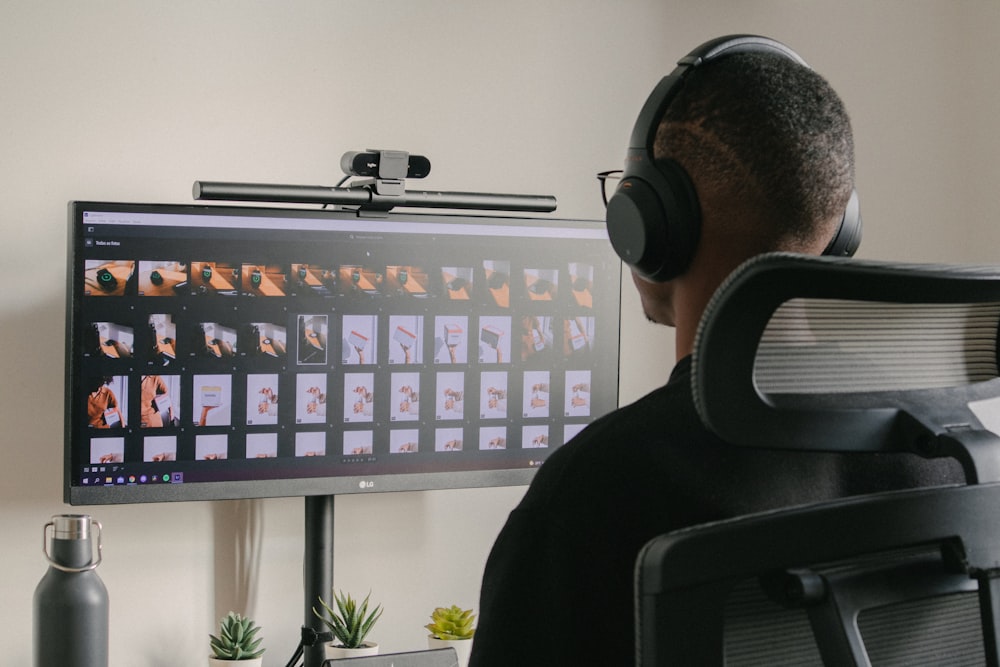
(222, 352)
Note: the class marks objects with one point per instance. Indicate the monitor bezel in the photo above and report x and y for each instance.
(294, 486)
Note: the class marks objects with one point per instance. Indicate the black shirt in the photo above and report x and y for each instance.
(558, 588)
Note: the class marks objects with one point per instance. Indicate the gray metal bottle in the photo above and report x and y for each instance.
(71, 602)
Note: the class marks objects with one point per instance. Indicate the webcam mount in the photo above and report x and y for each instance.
(382, 187)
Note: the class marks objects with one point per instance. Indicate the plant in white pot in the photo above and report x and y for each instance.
(452, 626)
(350, 623)
(237, 641)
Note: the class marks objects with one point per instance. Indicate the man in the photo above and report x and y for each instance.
(767, 145)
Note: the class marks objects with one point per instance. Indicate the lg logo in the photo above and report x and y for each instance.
(366, 484)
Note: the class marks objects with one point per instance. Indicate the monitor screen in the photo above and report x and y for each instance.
(235, 352)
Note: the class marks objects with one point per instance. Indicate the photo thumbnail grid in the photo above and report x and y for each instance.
(222, 359)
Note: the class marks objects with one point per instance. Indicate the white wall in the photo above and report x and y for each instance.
(134, 100)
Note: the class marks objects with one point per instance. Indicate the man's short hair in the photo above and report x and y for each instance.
(764, 131)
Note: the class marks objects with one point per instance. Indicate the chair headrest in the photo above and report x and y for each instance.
(836, 354)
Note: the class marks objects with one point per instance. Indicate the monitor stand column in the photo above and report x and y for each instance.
(317, 568)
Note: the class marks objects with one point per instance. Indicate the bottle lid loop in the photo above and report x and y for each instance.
(74, 527)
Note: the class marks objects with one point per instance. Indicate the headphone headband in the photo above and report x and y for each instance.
(654, 219)
(644, 130)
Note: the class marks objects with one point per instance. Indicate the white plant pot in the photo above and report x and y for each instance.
(252, 662)
(463, 647)
(337, 652)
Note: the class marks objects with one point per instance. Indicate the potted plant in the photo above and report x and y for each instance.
(237, 641)
(452, 626)
(350, 623)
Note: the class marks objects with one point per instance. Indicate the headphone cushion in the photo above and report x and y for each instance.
(654, 220)
(637, 226)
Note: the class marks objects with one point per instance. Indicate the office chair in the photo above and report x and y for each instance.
(839, 355)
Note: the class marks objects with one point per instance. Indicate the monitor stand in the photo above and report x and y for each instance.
(317, 568)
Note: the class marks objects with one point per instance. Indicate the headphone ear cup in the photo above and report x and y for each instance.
(654, 220)
(848, 237)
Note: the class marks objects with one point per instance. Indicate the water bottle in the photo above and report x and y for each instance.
(71, 603)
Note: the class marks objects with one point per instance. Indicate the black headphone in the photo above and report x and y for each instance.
(653, 218)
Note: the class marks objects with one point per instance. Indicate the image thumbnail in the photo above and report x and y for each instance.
(313, 279)
(358, 279)
(448, 440)
(458, 282)
(110, 340)
(357, 443)
(406, 392)
(360, 339)
(164, 332)
(262, 399)
(407, 333)
(213, 400)
(159, 401)
(214, 278)
(266, 339)
(578, 336)
(450, 396)
(106, 278)
(404, 441)
(405, 281)
(451, 339)
(493, 395)
(537, 337)
(498, 281)
(107, 450)
(211, 447)
(263, 280)
(310, 444)
(581, 283)
(312, 339)
(359, 397)
(310, 398)
(493, 437)
(541, 284)
(157, 448)
(163, 278)
(577, 394)
(534, 437)
(262, 445)
(536, 394)
(494, 340)
(107, 401)
(217, 341)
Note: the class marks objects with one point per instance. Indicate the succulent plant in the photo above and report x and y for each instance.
(452, 623)
(351, 622)
(237, 638)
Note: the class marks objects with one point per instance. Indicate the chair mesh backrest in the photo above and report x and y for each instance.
(879, 346)
(824, 353)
